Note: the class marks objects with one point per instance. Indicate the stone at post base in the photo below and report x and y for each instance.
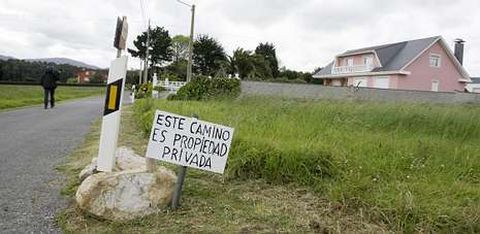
(89, 170)
(126, 159)
(127, 193)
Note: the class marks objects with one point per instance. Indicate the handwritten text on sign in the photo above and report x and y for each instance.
(189, 142)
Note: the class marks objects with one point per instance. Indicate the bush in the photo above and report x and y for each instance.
(286, 80)
(144, 110)
(145, 90)
(72, 80)
(159, 89)
(204, 88)
(172, 77)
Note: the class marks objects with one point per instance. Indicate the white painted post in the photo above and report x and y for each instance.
(155, 80)
(133, 94)
(113, 100)
(154, 84)
(111, 114)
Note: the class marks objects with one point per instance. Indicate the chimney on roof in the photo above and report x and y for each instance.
(459, 50)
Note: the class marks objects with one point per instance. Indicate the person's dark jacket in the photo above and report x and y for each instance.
(49, 79)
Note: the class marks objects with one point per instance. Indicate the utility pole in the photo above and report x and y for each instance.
(150, 163)
(147, 48)
(140, 73)
(190, 43)
(190, 47)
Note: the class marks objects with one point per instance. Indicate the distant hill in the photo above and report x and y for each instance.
(64, 61)
(54, 60)
(3, 57)
(31, 70)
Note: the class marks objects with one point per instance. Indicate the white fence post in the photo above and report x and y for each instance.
(154, 84)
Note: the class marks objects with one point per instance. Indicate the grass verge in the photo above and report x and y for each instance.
(12, 96)
(410, 167)
(213, 204)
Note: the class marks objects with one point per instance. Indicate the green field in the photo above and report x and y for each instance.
(12, 96)
(323, 166)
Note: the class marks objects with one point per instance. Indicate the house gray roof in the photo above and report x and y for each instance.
(327, 70)
(475, 80)
(393, 57)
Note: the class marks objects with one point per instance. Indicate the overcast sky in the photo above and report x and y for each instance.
(306, 33)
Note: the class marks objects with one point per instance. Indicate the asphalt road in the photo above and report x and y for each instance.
(33, 141)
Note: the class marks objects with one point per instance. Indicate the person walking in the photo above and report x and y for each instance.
(49, 84)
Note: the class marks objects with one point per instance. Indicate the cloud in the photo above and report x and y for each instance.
(306, 33)
(258, 13)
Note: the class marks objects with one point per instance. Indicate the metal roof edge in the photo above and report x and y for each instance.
(402, 72)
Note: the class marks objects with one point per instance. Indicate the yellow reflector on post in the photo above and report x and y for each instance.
(112, 99)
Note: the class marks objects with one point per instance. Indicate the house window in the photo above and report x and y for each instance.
(349, 62)
(367, 60)
(434, 60)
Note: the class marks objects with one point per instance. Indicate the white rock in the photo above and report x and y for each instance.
(126, 195)
(126, 159)
(87, 171)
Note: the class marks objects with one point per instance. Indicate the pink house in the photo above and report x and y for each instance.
(423, 64)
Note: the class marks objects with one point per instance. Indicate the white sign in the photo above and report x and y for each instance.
(189, 142)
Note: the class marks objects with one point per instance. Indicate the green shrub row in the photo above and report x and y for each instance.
(205, 88)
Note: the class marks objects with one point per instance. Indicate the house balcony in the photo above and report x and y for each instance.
(352, 69)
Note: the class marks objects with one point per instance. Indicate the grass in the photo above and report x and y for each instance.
(210, 203)
(12, 96)
(411, 167)
(325, 166)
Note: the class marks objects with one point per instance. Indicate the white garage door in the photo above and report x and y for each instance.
(382, 82)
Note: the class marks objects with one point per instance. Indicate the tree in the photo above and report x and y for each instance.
(242, 63)
(316, 70)
(179, 68)
(180, 47)
(133, 77)
(267, 50)
(262, 69)
(160, 47)
(250, 66)
(208, 55)
(295, 75)
(98, 78)
(22, 70)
